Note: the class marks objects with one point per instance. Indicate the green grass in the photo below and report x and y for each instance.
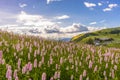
(58, 60)
(105, 33)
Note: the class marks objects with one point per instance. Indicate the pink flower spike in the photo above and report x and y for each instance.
(1, 54)
(35, 63)
(84, 73)
(44, 76)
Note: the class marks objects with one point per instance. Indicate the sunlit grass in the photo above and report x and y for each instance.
(32, 58)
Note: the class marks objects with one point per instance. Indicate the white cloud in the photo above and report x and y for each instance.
(75, 27)
(107, 9)
(89, 5)
(51, 32)
(95, 28)
(33, 20)
(62, 17)
(38, 25)
(92, 23)
(100, 4)
(110, 7)
(49, 1)
(22, 5)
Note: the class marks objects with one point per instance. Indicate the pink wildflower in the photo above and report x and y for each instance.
(15, 74)
(1, 54)
(9, 73)
(95, 69)
(44, 76)
(80, 78)
(35, 63)
(19, 63)
(115, 67)
(29, 66)
(113, 74)
(84, 73)
(90, 64)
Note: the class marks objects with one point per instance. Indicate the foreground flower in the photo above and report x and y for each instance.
(84, 73)
(9, 73)
(35, 63)
(1, 54)
(44, 76)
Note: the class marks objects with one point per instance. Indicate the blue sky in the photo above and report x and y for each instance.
(60, 13)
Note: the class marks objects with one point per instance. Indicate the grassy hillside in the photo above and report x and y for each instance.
(105, 33)
(33, 58)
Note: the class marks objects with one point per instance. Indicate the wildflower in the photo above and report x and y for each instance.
(3, 61)
(104, 73)
(51, 78)
(35, 54)
(57, 75)
(87, 78)
(42, 59)
(1, 54)
(106, 65)
(107, 54)
(113, 74)
(44, 76)
(61, 60)
(29, 66)
(15, 74)
(95, 69)
(115, 67)
(84, 73)
(35, 63)
(80, 78)
(28, 56)
(51, 60)
(9, 73)
(16, 78)
(72, 77)
(14, 53)
(24, 69)
(90, 64)
(40, 63)
(19, 63)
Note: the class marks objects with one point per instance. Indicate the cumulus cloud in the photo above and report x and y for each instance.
(62, 17)
(39, 25)
(89, 5)
(92, 23)
(33, 20)
(49, 1)
(22, 5)
(75, 27)
(52, 29)
(110, 7)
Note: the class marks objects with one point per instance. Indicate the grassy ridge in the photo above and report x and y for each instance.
(32, 58)
(105, 33)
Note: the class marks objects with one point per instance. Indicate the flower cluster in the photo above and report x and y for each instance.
(25, 57)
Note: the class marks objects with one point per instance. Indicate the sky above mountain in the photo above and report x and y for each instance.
(59, 16)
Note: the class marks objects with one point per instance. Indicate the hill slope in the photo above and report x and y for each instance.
(105, 33)
(31, 58)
